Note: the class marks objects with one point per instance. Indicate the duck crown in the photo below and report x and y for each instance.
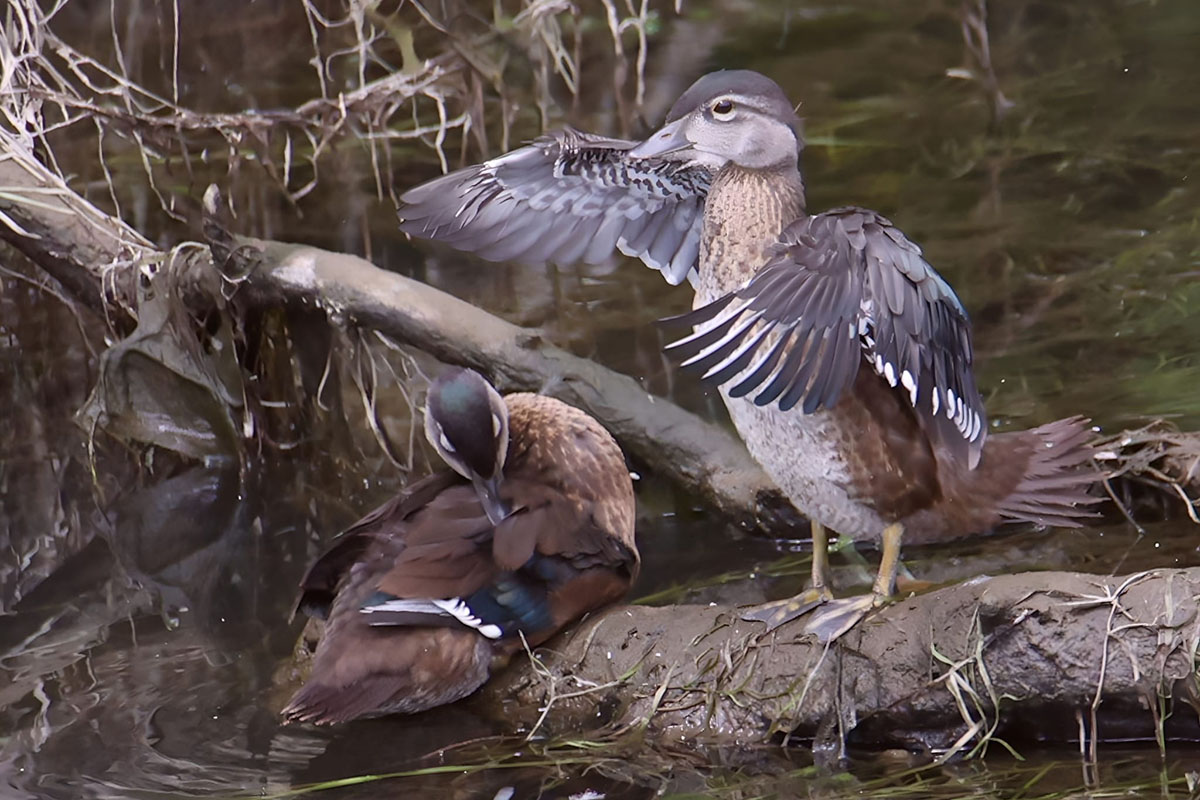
(466, 421)
(750, 87)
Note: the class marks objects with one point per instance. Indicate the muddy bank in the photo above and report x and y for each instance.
(1035, 656)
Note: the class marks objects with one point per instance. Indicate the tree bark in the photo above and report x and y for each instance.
(1034, 656)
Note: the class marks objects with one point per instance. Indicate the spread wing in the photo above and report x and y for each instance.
(843, 287)
(567, 197)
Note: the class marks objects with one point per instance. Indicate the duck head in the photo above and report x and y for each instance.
(466, 421)
(733, 116)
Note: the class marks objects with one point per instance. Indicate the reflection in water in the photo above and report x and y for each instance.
(147, 602)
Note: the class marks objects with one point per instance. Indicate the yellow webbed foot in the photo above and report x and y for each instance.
(782, 611)
(832, 618)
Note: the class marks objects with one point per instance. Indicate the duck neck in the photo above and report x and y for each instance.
(744, 214)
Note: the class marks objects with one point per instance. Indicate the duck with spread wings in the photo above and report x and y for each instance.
(844, 359)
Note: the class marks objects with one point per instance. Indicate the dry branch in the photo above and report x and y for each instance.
(1158, 456)
(1030, 656)
(94, 255)
(702, 458)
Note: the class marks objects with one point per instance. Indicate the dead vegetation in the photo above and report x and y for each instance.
(1159, 457)
(434, 75)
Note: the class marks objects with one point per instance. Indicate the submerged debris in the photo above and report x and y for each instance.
(1155, 463)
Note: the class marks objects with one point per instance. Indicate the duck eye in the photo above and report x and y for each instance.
(723, 109)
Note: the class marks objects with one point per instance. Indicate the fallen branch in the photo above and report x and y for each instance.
(702, 458)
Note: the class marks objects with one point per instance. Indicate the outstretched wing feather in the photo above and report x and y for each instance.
(840, 288)
(568, 196)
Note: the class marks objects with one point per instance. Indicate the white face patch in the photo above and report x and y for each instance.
(444, 442)
(497, 424)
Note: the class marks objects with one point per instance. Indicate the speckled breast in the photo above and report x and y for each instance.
(803, 453)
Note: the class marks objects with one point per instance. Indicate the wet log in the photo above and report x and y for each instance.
(98, 260)
(1038, 656)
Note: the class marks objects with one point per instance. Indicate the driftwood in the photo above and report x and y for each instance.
(1038, 656)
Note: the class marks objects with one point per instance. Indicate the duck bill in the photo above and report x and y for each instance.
(488, 490)
(668, 139)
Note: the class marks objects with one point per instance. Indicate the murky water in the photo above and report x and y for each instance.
(147, 600)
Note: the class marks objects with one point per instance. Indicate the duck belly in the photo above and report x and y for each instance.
(803, 454)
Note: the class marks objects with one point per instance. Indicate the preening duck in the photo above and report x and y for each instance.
(531, 528)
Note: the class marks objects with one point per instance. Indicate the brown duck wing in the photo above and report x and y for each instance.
(551, 522)
(1040, 476)
(842, 287)
(455, 569)
(433, 538)
(564, 560)
(446, 550)
(435, 591)
(567, 197)
(320, 583)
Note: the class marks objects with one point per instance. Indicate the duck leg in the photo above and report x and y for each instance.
(780, 611)
(839, 616)
(889, 563)
(833, 617)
